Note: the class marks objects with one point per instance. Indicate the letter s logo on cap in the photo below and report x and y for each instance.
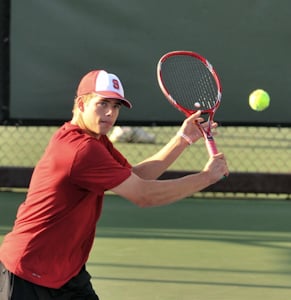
(115, 83)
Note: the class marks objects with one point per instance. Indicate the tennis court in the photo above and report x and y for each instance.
(195, 249)
(232, 246)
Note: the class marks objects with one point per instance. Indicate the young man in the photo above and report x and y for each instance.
(44, 255)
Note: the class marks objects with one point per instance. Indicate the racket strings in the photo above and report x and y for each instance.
(189, 82)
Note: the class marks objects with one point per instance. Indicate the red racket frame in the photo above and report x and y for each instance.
(209, 140)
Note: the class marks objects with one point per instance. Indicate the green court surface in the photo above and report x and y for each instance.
(195, 249)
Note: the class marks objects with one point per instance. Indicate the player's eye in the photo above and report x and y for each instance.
(117, 106)
(103, 103)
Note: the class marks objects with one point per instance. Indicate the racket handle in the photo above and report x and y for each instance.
(211, 146)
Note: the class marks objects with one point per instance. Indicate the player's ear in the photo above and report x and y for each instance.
(80, 103)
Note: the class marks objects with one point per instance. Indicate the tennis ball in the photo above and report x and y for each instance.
(259, 100)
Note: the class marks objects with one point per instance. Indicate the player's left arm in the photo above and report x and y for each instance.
(154, 166)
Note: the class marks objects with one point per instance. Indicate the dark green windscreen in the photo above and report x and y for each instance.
(55, 42)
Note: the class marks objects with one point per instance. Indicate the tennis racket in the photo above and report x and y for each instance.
(190, 83)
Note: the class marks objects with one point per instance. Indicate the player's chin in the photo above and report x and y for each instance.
(104, 128)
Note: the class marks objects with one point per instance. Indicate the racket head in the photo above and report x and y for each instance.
(189, 82)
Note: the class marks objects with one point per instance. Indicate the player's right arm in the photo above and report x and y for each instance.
(147, 193)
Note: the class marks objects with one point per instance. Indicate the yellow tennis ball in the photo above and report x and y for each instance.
(259, 100)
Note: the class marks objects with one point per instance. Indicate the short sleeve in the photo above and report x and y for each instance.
(95, 168)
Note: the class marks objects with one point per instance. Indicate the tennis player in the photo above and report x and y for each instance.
(44, 255)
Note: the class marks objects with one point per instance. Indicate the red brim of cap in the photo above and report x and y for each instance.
(111, 95)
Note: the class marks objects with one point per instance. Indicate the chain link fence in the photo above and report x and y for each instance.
(248, 149)
(258, 157)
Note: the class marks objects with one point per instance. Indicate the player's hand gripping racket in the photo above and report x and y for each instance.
(190, 84)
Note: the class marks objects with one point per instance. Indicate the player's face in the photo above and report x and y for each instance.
(99, 114)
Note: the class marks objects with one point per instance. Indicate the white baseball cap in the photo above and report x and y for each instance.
(104, 84)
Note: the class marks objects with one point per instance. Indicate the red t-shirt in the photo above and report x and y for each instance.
(55, 225)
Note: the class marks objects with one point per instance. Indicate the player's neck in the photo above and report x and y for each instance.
(79, 122)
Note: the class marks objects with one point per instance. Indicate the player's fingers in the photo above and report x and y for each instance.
(206, 124)
(192, 121)
(214, 125)
(195, 116)
(219, 155)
